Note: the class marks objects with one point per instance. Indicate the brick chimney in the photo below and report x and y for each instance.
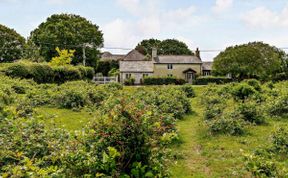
(154, 53)
(197, 53)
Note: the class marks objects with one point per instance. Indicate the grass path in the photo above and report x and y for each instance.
(191, 163)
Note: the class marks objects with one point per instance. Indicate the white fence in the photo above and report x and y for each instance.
(104, 80)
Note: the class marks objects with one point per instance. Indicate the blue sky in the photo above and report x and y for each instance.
(207, 24)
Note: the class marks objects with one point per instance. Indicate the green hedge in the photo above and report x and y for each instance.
(163, 81)
(44, 73)
(211, 79)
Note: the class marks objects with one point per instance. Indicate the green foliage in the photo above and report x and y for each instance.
(11, 44)
(211, 79)
(229, 124)
(64, 58)
(129, 81)
(105, 67)
(165, 47)
(44, 73)
(252, 60)
(68, 31)
(270, 161)
(254, 83)
(114, 72)
(242, 91)
(279, 106)
(163, 81)
(188, 90)
(250, 112)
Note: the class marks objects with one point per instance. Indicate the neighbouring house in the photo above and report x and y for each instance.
(207, 68)
(107, 56)
(138, 66)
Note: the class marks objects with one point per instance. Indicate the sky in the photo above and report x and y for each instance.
(207, 24)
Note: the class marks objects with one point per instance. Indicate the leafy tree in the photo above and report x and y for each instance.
(64, 58)
(166, 47)
(145, 47)
(11, 44)
(105, 66)
(174, 47)
(68, 31)
(252, 60)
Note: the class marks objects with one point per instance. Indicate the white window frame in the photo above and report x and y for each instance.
(128, 76)
(170, 66)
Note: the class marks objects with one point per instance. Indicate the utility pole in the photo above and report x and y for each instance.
(84, 54)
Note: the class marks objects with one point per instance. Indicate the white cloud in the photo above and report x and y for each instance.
(132, 6)
(222, 5)
(264, 17)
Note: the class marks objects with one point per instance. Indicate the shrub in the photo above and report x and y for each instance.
(211, 79)
(280, 77)
(113, 86)
(44, 73)
(66, 73)
(242, 91)
(86, 72)
(279, 106)
(188, 90)
(130, 81)
(163, 81)
(41, 73)
(230, 124)
(280, 141)
(250, 112)
(17, 70)
(254, 83)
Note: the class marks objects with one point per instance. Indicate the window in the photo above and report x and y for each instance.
(128, 76)
(206, 73)
(170, 66)
(170, 75)
(145, 75)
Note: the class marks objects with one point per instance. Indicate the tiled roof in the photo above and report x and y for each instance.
(134, 55)
(207, 65)
(181, 59)
(136, 66)
(107, 56)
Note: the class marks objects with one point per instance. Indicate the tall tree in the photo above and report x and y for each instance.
(11, 44)
(166, 47)
(252, 60)
(175, 47)
(145, 47)
(68, 31)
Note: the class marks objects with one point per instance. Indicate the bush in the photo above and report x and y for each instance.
(66, 73)
(130, 81)
(163, 81)
(86, 72)
(41, 73)
(18, 70)
(188, 90)
(280, 77)
(279, 106)
(254, 83)
(44, 73)
(230, 124)
(242, 91)
(250, 113)
(113, 86)
(211, 79)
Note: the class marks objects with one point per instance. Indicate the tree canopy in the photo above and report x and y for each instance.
(165, 47)
(252, 60)
(11, 44)
(68, 31)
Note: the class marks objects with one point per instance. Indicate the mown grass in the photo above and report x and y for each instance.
(204, 155)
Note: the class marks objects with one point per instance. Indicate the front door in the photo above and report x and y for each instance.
(189, 77)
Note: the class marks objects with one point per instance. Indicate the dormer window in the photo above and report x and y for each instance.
(170, 66)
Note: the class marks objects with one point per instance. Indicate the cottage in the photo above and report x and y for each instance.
(138, 66)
